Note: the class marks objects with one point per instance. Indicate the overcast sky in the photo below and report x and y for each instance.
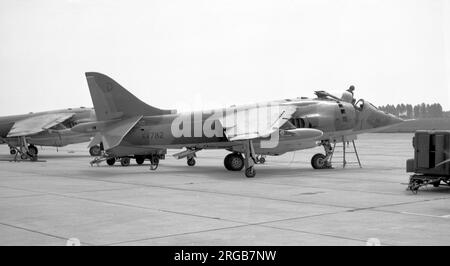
(201, 54)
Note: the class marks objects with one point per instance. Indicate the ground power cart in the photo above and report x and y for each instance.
(431, 163)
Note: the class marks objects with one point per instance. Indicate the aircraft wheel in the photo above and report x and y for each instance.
(154, 162)
(33, 150)
(234, 162)
(437, 183)
(191, 161)
(125, 161)
(226, 162)
(95, 151)
(250, 172)
(318, 161)
(12, 151)
(140, 159)
(262, 160)
(111, 161)
(23, 156)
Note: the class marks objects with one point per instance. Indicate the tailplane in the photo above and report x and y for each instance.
(112, 101)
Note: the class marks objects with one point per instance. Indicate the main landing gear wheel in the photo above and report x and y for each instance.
(12, 151)
(111, 161)
(125, 161)
(250, 172)
(234, 162)
(191, 162)
(140, 159)
(154, 162)
(32, 150)
(318, 161)
(95, 151)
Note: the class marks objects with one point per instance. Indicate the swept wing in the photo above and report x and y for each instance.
(37, 124)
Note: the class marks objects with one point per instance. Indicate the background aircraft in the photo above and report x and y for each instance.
(23, 132)
(126, 126)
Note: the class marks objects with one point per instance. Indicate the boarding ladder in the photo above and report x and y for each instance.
(345, 148)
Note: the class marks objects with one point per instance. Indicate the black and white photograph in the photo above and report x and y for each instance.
(225, 123)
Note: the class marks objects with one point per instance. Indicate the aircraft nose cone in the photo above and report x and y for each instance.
(381, 119)
(393, 120)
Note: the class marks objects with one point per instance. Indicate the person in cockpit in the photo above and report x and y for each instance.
(351, 89)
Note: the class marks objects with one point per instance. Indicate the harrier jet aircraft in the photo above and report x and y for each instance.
(127, 126)
(23, 132)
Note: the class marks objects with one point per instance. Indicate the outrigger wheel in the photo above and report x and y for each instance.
(154, 162)
(191, 161)
(261, 160)
(234, 162)
(250, 172)
(318, 161)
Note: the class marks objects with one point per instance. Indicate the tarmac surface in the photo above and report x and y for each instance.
(287, 203)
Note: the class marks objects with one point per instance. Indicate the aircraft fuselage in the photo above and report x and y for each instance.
(60, 136)
(335, 118)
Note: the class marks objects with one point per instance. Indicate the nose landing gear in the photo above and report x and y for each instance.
(318, 161)
(323, 161)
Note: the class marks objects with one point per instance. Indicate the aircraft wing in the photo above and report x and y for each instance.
(255, 122)
(36, 124)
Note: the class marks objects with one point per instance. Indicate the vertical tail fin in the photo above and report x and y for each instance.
(112, 101)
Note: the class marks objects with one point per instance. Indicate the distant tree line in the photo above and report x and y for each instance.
(447, 114)
(408, 111)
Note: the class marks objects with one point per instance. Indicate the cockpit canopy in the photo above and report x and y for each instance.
(359, 105)
(344, 96)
